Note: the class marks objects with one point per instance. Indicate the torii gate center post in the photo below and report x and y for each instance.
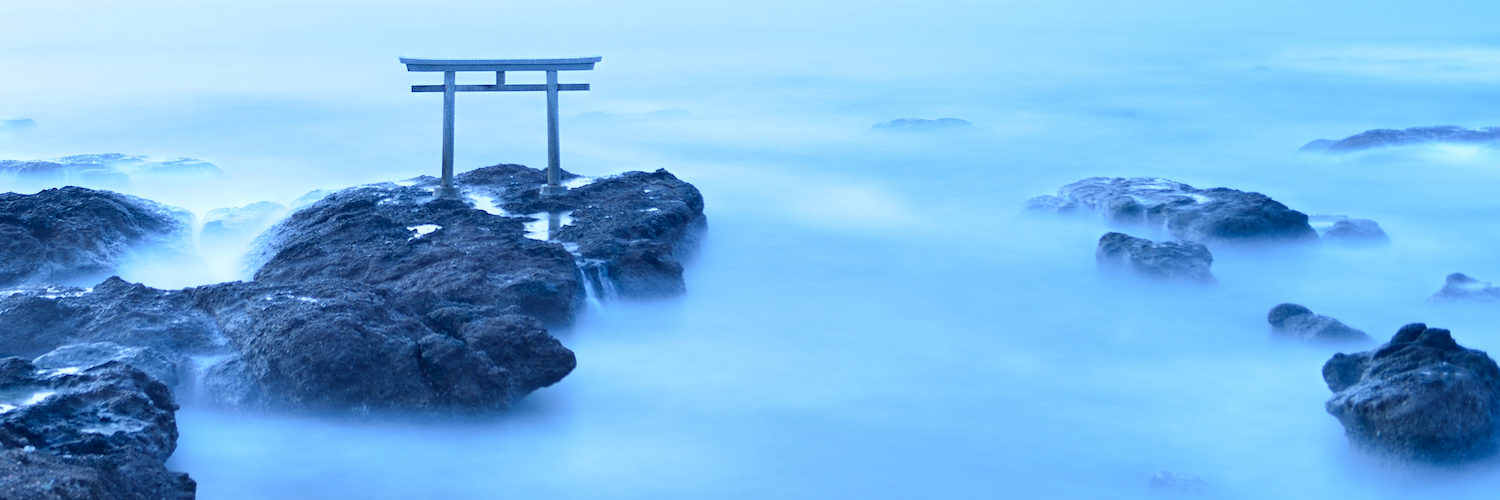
(450, 67)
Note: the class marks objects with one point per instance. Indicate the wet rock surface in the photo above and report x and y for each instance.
(1180, 211)
(100, 432)
(74, 235)
(1299, 322)
(1167, 260)
(1380, 138)
(1460, 287)
(1420, 396)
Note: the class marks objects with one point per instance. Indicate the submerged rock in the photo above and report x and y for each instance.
(1379, 138)
(1170, 260)
(1343, 229)
(923, 125)
(74, 235)
(1299, 322)
(1459, 287)
(1420, 396)
(1219, 215)
(101, 432)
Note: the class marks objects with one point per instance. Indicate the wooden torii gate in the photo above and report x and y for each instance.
(450, 67)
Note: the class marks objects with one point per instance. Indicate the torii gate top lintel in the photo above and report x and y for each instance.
(450, 86)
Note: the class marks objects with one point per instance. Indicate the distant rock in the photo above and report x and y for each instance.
(1169, 260)
(1342, 229)
(17, 124)
(1459, 287)
(1420, 396)
(231, 230)
(74, 235)
(923, 125)
(1219, 215)
(1379, 138)
(110, 169)
(1299, 322)
(98, 432)
(1174, 483)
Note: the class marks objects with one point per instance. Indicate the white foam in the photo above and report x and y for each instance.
(578, 182)
(487, 204)
(541, 225)
(422, 230)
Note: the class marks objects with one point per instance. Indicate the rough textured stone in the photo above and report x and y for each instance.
(1299, 322)
(1219, 215)
(1170, 260)
(76, 236)
(1420, 396)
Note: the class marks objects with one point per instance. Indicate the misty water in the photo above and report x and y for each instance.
(870, 314)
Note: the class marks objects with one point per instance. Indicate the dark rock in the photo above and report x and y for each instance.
(1218, 215)
(1459, 287)
(1420, 396)
(166, 368)
(1379, 138)
(923, 125)
(1170, 260)
(77, 236)
(103, 432)
(1342, 229)
(1299, 322)
(128, 314)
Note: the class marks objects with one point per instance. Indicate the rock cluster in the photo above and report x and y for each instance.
(1420, 396)
(1219, 215)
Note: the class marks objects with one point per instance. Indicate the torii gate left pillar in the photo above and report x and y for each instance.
(450, 68)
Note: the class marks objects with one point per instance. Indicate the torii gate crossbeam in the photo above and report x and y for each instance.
(450, 68)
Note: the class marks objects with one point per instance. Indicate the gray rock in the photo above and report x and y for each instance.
(1459, 287)
(167, 368)
(74, 235)
(1169, 260)
(1420, 397)
(1182, 212)
(1343, 229)
(1299, 322)
(103, 432)
(1380, 138)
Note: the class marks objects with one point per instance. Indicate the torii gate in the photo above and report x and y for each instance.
(450, 67)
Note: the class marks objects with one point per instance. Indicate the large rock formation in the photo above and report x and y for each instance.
(1379, 138)
(1420, 396)
(1168, 260)
(74, 235)
(84, 433)
(1459, 287)
(1219, 215)
(1299, 322)
(383, 297)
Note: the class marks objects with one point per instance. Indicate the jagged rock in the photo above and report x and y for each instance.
(164, 367)
(1299, 322)
(127, 314)
(1420, 396)
(1459, 287)
(1170, 260)
(1343, 229)
(1378, 138)
(923, 125)
(74, 235)
(102, 432)
(1216, 215)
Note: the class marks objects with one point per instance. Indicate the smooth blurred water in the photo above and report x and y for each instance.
(870, 314)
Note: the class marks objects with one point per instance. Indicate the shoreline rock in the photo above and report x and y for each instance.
(75, 235)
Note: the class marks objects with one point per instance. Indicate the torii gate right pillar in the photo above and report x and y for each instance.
(554, 161)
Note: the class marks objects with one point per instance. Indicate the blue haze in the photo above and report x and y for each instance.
(870, 315)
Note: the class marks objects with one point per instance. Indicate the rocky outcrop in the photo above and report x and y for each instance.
(229, 229)
(1346, 230)
(1296, 321)
(74, 235)
(1180, 211)
(1379, 138)
(1420, 396)
(923, 125)
(76, 433)
(107, 169)
(1167, 260)
(1459, 287)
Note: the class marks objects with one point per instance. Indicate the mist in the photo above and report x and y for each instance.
(871, 313)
